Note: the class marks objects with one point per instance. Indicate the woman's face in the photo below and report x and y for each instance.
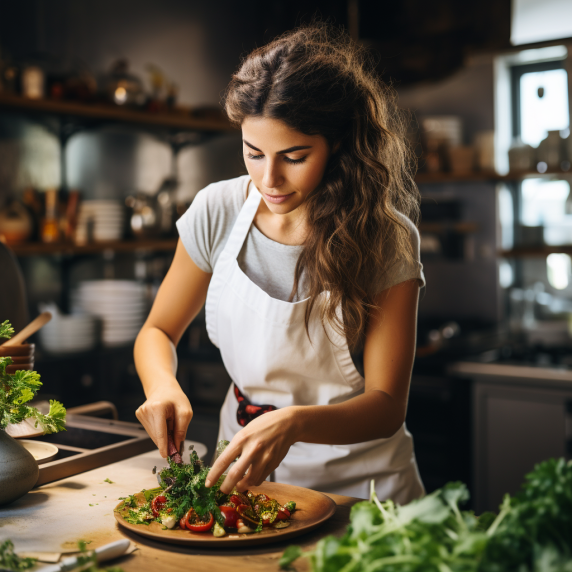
(284, 164)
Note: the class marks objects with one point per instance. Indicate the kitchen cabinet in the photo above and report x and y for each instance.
(515, 427)
(438, 417)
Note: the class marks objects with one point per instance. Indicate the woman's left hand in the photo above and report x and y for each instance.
(261, 445)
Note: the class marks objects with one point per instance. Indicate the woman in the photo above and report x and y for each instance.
(310, 255)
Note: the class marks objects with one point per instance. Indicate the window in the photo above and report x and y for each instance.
(539, 100)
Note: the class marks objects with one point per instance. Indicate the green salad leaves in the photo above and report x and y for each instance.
(17, 389)
(187, 488)
(532, 532)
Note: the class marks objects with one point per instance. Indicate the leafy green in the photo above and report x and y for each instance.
(17, 389)
(531, 533)
(8, 558)
(6, 330)
(189, 490)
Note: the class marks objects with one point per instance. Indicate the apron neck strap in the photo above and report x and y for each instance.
(243, 222)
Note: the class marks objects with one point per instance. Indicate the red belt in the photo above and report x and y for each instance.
(246, 411)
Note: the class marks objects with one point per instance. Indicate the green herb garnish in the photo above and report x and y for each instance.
(8, 558)
(17, 389)
(108, 481)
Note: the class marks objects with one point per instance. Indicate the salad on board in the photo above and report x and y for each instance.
(182, 501)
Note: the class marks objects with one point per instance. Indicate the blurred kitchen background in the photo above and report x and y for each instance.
(110, 123)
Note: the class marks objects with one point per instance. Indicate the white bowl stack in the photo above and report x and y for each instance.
(120, 304)
(107, 216)
(69, 334)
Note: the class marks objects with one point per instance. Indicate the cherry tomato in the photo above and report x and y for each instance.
(283, 514)
(182, 524)
(157, 504)
(230, 516)
(196, 523)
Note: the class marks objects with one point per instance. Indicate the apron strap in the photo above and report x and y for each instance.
(243, 223)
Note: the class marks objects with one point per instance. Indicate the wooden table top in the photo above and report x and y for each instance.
(53, 517)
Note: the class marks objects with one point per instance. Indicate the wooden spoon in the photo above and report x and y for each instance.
(30, 329)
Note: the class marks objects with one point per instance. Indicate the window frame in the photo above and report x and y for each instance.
(516, 72)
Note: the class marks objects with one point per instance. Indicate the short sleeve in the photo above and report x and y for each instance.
(205, 227)
(404, 269)
(193, 229)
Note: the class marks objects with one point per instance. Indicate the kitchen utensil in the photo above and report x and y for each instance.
(24, 429)
(103, 553)
(313, 509)
(42, 452)
(30, 329)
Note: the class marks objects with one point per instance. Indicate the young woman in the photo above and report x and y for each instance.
(309, 257)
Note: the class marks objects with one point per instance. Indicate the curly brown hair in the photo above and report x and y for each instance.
(319, 82)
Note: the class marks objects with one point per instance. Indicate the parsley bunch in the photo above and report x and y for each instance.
(532, 532)
(17, 389)
(188, 488)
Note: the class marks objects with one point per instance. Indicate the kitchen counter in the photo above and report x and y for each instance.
(53, 517)
(514, 373)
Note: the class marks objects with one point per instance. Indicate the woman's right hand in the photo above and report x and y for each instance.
(166, 410)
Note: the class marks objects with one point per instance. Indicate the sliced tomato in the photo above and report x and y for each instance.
(158, 504)
(182, 524)
(230, 516)
(283, 514)
(238, 499)
(197, 523)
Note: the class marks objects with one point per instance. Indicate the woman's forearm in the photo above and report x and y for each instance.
(372, 415)
(155, 359)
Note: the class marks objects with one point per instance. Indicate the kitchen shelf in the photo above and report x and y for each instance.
(480, 176)
(68, 248)
(175, 120)
(442, 227)
(526, 251)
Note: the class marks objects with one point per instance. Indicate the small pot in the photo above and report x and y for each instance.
(18, 351)
(13, 368)
(18, 469)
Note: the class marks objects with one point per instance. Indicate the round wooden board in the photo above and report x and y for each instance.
(312, 509)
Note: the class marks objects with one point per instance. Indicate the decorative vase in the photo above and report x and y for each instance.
(18, 469)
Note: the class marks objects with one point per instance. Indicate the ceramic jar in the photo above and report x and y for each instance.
(550, 150)
(16, 224)
(18, 469)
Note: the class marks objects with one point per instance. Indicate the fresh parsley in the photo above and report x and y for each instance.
(17, 389)
(531, 532)
(8, 558)
(188, 488)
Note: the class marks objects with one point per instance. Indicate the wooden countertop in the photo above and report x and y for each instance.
(53, 517)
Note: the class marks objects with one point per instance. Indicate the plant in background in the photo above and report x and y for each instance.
(17, 389)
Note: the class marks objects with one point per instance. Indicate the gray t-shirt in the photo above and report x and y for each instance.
(205, 227)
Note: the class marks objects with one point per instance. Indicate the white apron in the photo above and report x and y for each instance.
(268, 355)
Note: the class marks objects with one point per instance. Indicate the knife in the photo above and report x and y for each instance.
(107, 552)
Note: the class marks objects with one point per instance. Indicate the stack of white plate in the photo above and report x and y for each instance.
(69, 334)
(107, 218)
(120, 304)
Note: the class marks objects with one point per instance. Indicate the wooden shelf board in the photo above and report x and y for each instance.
(174, 120)
(67, 248)
(483, 176)
(523, 251)
(439, 227)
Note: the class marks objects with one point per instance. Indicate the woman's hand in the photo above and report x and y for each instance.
(167, 410)
(262, 445)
